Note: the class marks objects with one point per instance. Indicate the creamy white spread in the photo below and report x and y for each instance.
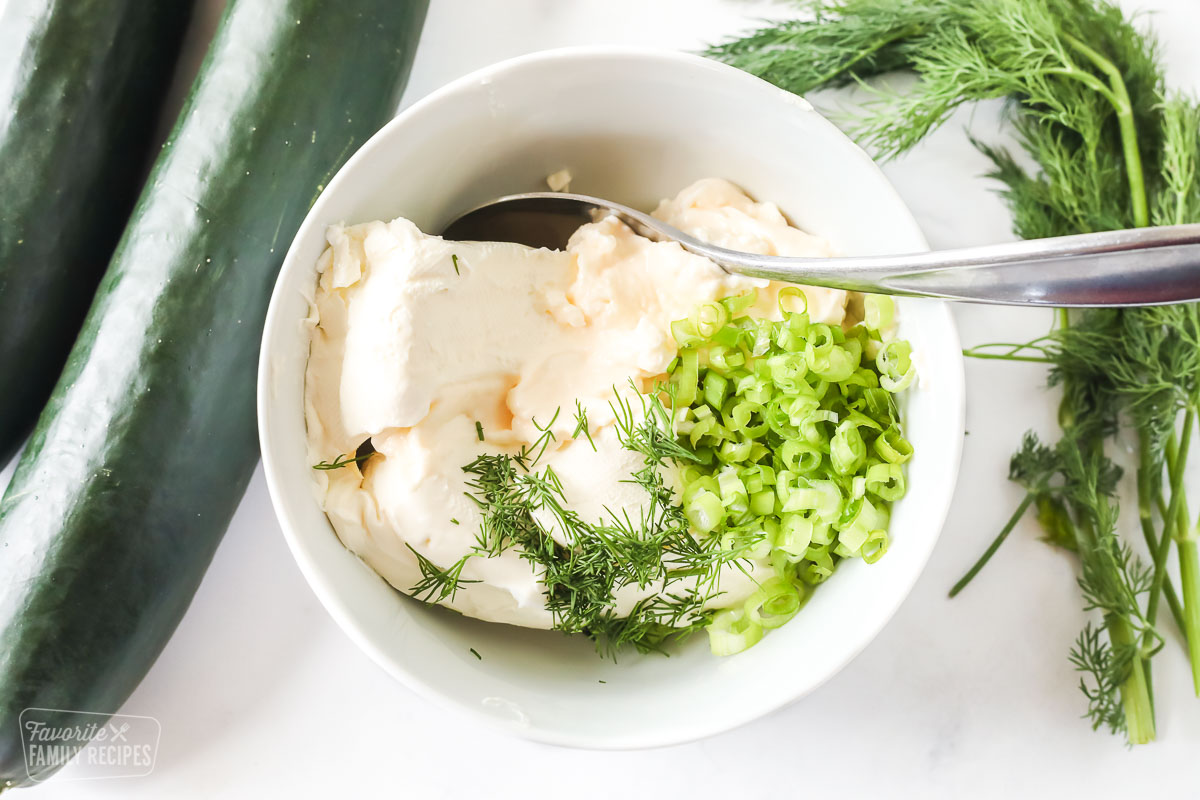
(416, 339)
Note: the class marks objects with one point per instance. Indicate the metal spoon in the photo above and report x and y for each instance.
(1136, 267)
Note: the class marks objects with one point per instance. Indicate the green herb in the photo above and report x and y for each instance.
(654, 436)
(581, 425)
(454, 261)
(438, 585)
(343, 461)
(1137, 369)
(475, 653)
(479, 430)
(581, 580)
(1034, 466)
(1111, 150)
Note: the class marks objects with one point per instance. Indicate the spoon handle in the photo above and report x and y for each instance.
(1136, 267)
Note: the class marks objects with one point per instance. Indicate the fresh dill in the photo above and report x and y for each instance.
(522, 506)
(653, 436)
(479, 430)
(475, 653)
(582, 427)
(1112, 149)
(344, 460)
(533, 452)
(1102, 670)
(1034, 466)
(454, 262)
(438, 585)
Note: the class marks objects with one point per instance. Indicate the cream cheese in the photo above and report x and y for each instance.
(416, 341)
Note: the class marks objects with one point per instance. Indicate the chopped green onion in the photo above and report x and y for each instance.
(715, 388)
(847, 451)
(732, 631)
(686, 377)
(800, 457)
(685, 334)
(818, 567)
(732, 452)
(831, 362)
(705, 511)
(775, 602)
(762, 338)
(878, 311)
(895, 366)
(730, 486)
(795, 535)
(886, 481)
(709, 318)
(853, 538)
(762, 503)
(797, 442)
(893, 447)
(738, 303)
(875, 547)
(787, 371)
(795, 294)
(728, 336)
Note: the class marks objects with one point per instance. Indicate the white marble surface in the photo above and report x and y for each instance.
(260, 695)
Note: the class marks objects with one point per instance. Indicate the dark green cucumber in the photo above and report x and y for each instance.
(148, 440)
(81, 86)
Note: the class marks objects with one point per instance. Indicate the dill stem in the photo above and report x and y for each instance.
(1171, 518)
(1189, 573)
(1133, 159)
(1135, 689)
(1006, 357)
(995, 545)
(1176, 459)
(1189, 569)
(1119, 98)
(1146, 517)
(1173, 604)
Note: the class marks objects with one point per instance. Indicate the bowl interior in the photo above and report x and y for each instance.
(633, 126)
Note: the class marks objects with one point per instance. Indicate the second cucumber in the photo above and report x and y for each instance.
(81, 87)
(139, 460)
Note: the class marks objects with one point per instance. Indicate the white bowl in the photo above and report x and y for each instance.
(633, 126)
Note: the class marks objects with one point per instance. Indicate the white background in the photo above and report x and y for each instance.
(260, 695)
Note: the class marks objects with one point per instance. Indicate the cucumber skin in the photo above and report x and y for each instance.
(148, 441)
(81, 85)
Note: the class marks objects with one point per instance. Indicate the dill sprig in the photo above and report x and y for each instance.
(582, 426)
(1034, 467)
(1111, 149)
(437, 585)
(1081, 80)
(1103, 672)
(654, 436)
(343, 460)
(522, 503)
